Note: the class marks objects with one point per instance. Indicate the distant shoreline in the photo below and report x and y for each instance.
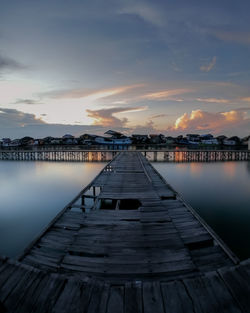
(124, 147)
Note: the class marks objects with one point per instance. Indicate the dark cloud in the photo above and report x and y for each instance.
(14, 118)
(17, 124)
(158, 116)
(7, 63)
(27, 101)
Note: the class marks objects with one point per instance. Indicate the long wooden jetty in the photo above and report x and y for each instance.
(127, 243)
(102, 155)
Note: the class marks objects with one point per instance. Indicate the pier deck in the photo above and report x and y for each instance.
(126, 243)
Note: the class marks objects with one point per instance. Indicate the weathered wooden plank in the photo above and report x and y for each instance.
(152, 299)
(133, 297)
(6, 271)
(75, 297)
(176, 298)
(210, 294)
(47, 293)
(99, 298)
(17, 275)
(20, 299)
(116, 299)
(238, 281)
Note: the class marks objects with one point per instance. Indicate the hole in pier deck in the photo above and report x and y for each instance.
(130, 219)
(129, 204)
(2, 308)
(108, 204)
(195, 245)
(88, 254)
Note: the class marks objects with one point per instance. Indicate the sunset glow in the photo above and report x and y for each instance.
(88, 66)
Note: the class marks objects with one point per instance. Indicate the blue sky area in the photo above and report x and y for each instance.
(170, 67)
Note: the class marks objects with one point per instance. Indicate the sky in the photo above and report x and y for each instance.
(162, 66)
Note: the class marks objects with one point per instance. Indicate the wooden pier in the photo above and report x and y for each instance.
(127, 243)
(107, 155)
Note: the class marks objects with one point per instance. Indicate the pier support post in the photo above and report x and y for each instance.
(155, 156)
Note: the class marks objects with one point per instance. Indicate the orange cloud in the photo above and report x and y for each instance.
(246, 99)
(201, 120)
(166, 94)
(105, 117)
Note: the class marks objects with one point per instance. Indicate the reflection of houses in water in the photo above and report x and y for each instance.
(248, 167)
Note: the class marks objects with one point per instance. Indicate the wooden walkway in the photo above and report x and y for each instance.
(126, 243)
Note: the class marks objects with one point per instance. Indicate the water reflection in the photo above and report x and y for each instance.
(32, 193)
(220, 192)
(248, 167)
(196, 169)
(229, 169)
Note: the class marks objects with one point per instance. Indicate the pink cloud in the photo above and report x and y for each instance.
(166, 94)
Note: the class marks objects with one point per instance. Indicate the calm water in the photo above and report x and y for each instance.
(32, 193)
(220, 193)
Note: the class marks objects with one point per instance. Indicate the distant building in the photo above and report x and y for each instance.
(139, 139)
(157, 139)
(228, 142)
(27, 141)
(6, 142)
(114, 134)
(169, 140)
(15, 143)
(68, 136)
(193, 139)
(208, 140)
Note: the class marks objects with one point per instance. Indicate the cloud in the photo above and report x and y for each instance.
(166, 94)
(14, 118)
(212, 100)
(17, 124)
(105, 117)
(27, 101)
(120, 95)
(7, 63)
(145, 12)
(208, 67)
(245, 99)
(158, 116)
(147, 128)
(213, 122)
(90, 94)
(233, 36)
